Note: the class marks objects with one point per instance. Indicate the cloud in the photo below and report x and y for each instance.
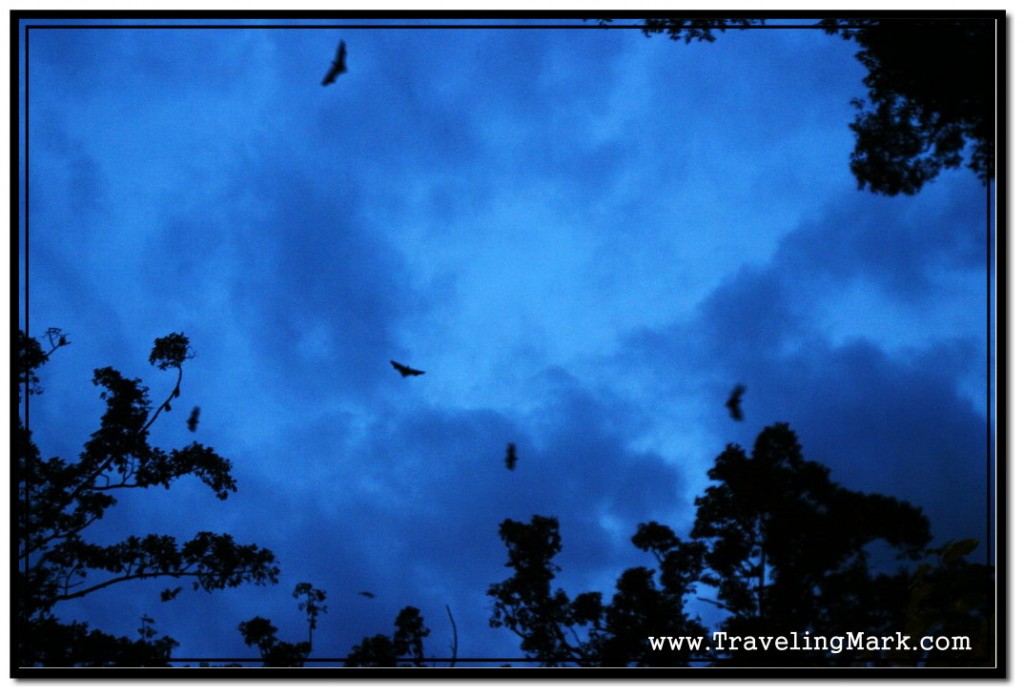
(408, 505)
(587, 281)
(902, 245)
(887, 415)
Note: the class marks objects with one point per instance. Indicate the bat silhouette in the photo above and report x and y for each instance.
(368, 595)
(510, 456)
(733, 404)
(168, 595)
(337, 67)
(405, 370)
(193, 419)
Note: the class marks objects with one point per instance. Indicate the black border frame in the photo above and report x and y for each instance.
(20, 26)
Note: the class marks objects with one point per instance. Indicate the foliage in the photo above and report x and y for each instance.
(785, 548)
(546, 621)
(405, 642)
(931, 93)
(932, 86)
(694, 28)
(689, 28)
(951, 596)
(59, 501)
(376, 651)
(49, 642)
(789, 548)
(313, 604)
(260, 632)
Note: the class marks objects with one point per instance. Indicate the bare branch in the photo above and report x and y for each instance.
(455, 636)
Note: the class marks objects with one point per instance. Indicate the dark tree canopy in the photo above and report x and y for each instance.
(782, 547)
(952, 596)
(785, 549)
(788, 547)
(556, 630)
(260, 632)
(691, 28)
(932, 95)
(406, 643)
(59, 501)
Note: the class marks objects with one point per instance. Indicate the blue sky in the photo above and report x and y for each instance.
(584, 237)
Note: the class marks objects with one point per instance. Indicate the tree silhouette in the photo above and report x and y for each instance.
(549, 624)
(262, 633)
(58, 501)
(690, 28)
(950, 596)
(787, 547)
(931, 85)
(788, 552)
(405, 642)
(695, 28)
(313, 605)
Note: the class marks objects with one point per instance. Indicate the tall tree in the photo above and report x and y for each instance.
(59, 501)
(556, 630)
(788, 547)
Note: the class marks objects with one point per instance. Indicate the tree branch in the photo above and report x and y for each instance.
(455, 636)
(125, 578)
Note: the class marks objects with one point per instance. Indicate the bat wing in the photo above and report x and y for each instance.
(733, 404)
(405, 370)
(337, 67)
(510, 456)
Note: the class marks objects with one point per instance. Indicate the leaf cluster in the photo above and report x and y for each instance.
(695, 28)
(788, 548)
(556, 630)
(405, 642)
(785, 549)
(260, 632)
(931, 87)
(59, 501)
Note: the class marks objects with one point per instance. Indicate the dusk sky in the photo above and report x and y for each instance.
(584, 237)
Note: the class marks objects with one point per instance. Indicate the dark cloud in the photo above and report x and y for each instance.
(899, 426)
(901, 245)
(886, 420)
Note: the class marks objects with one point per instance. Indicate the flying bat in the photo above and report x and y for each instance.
(337, 67)
(405, 370)
(510, 456)
(733, 404)
(368, 595)
(193, 419)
